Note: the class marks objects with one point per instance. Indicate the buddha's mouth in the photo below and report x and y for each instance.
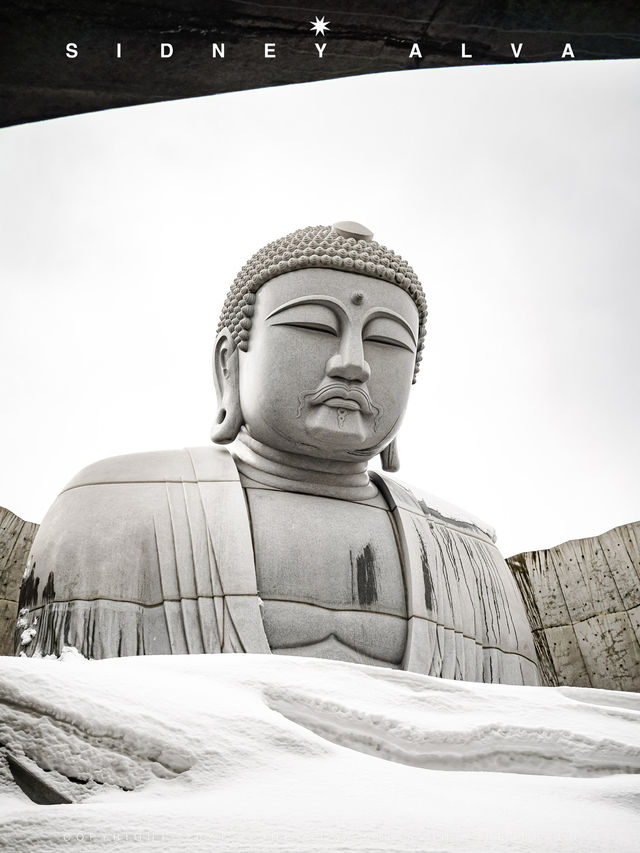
(341, 396)
(342, 403)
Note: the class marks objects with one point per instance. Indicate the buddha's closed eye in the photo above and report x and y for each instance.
(313, 317)
(391, 342)
(386, 330)
(310, 325)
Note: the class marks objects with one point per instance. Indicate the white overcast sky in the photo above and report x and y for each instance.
(512, 190)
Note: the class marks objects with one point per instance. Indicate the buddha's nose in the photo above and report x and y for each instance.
(349, 362)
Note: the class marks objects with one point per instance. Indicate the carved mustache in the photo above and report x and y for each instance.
(341, 390)
(345, 392)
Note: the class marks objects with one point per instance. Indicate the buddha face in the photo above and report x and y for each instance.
(329, 365)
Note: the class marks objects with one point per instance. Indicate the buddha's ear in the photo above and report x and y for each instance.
(226, 377)
(390, 458)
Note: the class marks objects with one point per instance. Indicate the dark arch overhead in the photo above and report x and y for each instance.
(38, 81)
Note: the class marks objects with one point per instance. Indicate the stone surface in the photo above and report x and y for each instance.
(286, 544)
(38, 81)
(173, 573)
(16, 538)
(583, 603)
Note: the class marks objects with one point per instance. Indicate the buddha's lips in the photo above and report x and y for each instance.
(341, 396)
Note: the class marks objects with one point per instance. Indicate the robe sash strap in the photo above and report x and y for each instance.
(466, 619)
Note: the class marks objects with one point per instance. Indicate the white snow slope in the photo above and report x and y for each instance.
(265, 753)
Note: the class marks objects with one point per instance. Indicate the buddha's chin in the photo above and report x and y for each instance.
(338, 428)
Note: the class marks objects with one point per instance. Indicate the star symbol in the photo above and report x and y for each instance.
(319, 26)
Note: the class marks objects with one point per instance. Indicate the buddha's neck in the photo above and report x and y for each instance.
(295, 472)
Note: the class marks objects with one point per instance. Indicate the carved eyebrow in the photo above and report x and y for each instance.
(315, 299)
(388, 314)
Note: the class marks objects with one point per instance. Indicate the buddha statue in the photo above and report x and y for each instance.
(286, 543)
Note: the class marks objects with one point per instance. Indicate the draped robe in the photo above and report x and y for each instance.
(152, 554)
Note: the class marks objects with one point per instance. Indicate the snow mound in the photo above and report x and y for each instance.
(244, 752)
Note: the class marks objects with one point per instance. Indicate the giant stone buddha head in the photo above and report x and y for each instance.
(318, 344)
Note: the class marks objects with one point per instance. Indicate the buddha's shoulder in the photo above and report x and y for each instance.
(189, 464)
(438, 510)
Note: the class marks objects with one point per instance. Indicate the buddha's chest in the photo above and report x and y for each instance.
(330, 577)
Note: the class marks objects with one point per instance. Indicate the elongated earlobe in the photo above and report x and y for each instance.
(390, 458)
(226, 377)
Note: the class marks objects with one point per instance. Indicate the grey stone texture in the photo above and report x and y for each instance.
(16, 538)
(168, 539)
(583, 603)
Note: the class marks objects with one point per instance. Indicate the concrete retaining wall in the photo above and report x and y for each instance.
(16, 538)
(583, 603)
